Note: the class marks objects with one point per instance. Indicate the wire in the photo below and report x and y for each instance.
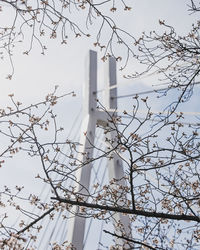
(95, 178)
(75, 135)
(145, 92)
(76, 125)
(153, 112)
(138, 78)
(159, 120)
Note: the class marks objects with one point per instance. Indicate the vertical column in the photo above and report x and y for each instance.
(77, 224)
(115, 166)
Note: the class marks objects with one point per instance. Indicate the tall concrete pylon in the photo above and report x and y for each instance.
(91, 117)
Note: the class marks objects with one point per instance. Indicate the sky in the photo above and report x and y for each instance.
(35, 75)
(66, 65)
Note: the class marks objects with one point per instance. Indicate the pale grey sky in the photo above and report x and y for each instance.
(65, 65)
(35, 75)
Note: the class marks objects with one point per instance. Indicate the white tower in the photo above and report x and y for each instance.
(92, 117)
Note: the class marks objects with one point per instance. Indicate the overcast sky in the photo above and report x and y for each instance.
(65, 65)
(35, 75)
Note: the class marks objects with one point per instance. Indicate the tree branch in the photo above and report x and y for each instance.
(130, 211)
(130, 240)
(35, 221)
